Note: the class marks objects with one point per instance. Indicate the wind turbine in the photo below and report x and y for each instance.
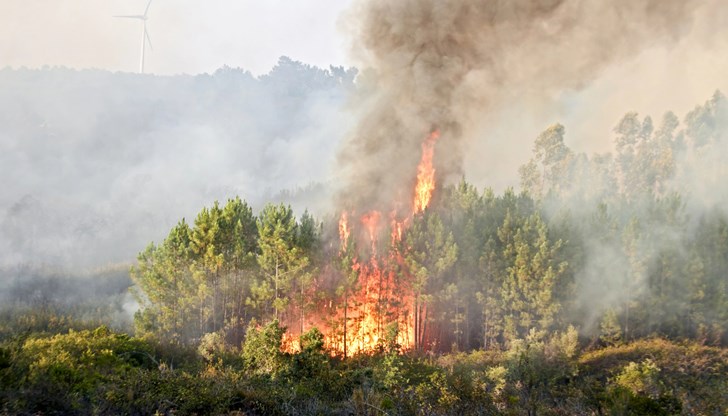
(145, 34)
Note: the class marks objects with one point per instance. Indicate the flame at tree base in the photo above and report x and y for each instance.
(374, 308)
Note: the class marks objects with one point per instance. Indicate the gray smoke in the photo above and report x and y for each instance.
(101, 164)
(445, 64)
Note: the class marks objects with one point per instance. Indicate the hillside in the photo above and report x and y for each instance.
(103, 162)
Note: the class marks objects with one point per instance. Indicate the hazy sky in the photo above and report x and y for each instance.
(194, 36)
(188, 36)
(201, 36)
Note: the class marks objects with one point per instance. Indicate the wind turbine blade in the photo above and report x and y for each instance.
(147, 9)
(146, 35)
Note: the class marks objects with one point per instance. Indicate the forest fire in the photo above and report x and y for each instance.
(425, 174)
(376, 308)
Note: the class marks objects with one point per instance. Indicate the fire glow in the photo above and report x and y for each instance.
(425, 174)
(376, 302)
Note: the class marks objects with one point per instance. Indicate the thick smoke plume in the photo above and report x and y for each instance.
(444, 63)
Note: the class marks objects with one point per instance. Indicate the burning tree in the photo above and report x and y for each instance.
(384, 281)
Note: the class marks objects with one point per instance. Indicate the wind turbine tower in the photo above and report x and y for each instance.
(145, 34)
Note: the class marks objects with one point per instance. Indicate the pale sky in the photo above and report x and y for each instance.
(196, 36)
(188, 36)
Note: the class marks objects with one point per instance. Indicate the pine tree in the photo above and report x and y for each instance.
(532, 273)
(431, 252)
(280, 260)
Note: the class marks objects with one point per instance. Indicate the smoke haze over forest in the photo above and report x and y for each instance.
(103, 163)
(358, 206)
(498, 73)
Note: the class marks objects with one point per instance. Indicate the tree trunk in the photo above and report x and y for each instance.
(485, 328)
(302, 317)
(379, 306)
(215, 293)
(275, 298)
(423, 320)
(417, 323)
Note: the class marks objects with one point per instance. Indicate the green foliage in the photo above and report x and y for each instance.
(311, 367)
(391, 332)
(312, 341)
(60, 373)
(430, 253)
(550, 164)
(262, 349)
(101, 372)
(690, 376)
(637, 390)
(391, 372)
(197, 280)
(532, 274)
(281, 260)
(541, 368)
(602, 241)
(211, 346)
(640, 378)
(610, 329)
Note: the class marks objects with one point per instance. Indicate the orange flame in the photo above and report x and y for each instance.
(397, 227)
(380, 294)
(344, 231)
(425, 174)
(370, 220)
(375, 300)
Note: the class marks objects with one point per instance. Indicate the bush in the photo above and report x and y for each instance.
(64, 373)
(262, 349)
